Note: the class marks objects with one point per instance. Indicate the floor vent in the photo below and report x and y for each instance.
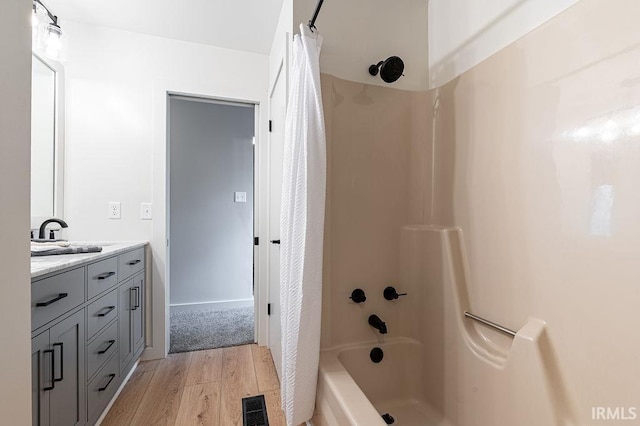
(388, 419)
(254, 411)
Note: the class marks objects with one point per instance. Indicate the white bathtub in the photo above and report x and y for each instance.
(353, 390)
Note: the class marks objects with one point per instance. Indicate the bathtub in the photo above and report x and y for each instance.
(353, 390)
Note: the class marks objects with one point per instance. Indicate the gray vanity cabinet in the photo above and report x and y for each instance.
(87, 331)
(131, 320)
(57, 359)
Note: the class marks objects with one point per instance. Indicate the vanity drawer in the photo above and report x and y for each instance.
(53, 296)
(130, 263)
(101, 312)
(101, 276)
(102, 388)
(99, 351)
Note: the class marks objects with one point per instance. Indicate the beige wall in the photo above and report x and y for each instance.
(15, 125)
(536, 159)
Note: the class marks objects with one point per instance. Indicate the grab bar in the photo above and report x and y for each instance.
(491, 324)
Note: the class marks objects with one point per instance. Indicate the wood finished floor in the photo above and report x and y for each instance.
(198, 388)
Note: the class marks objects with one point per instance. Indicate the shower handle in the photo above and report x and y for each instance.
(390, 293)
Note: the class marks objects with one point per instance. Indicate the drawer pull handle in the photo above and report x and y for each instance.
(61, 362)
(55, 299)
(135, 303)
(107, 312)
(104, 351)
(106, 275)
(104, 388)
(53, 371)
(137, 300)
(134, 262)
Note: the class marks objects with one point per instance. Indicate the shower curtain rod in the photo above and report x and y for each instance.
(312, 22)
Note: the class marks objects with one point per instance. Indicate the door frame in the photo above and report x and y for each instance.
(280, 74)
(158, 290)
(280, 59)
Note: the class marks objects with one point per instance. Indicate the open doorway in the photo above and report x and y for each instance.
(211, 223)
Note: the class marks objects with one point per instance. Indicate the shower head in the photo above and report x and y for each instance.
(390, 69)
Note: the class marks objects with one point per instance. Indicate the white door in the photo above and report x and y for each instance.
(277, 108)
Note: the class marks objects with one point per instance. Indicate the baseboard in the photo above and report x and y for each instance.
(222, 304)
(115, 396)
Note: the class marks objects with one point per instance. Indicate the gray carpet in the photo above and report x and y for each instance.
(209, 329)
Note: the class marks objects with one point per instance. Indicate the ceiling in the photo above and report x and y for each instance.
(247, 25)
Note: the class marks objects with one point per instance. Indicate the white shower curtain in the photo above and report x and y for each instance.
(301, 230)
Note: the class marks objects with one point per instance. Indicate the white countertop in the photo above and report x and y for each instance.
(41, 265)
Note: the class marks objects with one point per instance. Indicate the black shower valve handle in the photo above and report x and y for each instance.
(390, 293)
(358, 296)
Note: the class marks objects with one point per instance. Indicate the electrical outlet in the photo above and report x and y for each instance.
(240, 197)
(145, 211)
(114, 210)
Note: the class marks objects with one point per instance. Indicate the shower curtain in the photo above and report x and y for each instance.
(301, 230)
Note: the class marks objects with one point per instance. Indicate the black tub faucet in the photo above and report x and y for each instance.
(378, 324)
(43, 227)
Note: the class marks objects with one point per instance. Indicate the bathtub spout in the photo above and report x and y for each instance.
(378, 324)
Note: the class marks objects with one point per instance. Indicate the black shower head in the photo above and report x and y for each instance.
(390, 69)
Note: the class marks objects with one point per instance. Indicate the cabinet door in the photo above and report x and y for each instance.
(41, 379)
(138, 312)
(67, 398)
(125, 338)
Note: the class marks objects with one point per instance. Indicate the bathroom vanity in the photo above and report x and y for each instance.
(87, 330)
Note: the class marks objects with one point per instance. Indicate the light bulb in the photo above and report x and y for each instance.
(53, 42)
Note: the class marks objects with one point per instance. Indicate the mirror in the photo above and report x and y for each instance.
(46, 140)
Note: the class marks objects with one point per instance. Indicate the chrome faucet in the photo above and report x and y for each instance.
(43, 227)
(378, 324)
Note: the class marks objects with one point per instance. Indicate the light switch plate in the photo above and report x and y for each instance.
(240, 197)
(145, 211)
(114, 210)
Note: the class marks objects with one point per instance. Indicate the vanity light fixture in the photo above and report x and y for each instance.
(47, 36)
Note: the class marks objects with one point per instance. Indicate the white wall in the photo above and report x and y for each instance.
(463, 33)
(110, 77)
(281, 41)
(358, 33)
(15, 142)
(117, 84)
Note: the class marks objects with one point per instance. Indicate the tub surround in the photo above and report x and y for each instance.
(47, 264)
(530, 159)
